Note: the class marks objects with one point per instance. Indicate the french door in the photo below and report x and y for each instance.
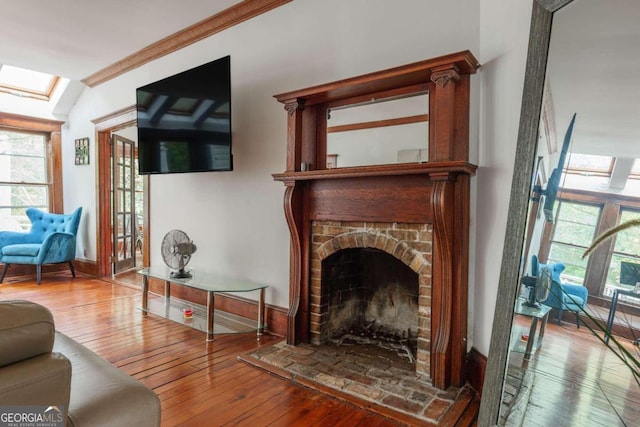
(123, 216)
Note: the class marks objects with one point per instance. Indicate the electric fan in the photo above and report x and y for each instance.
(539, 287)
(177, 249)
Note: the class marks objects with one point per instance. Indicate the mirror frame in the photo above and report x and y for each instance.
(536, 66)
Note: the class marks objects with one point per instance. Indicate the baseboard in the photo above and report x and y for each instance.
(275, 317)
(476, 368)
(86, 266)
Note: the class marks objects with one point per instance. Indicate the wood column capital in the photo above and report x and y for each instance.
(443, 76)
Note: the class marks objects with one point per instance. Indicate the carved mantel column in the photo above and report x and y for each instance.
(444, 106)
(449, 294)
(294, 134)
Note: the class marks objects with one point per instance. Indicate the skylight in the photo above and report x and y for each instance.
(22, 82)
(589, 164)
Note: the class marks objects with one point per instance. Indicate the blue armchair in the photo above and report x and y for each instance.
(52, 240)
(562, 296)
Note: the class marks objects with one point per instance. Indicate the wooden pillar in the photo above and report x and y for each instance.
(442, 109)
(294, 134)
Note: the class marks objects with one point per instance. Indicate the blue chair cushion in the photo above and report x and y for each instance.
(26, 249)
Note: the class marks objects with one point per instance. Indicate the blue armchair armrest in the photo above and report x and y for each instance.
(57, 247)
(578, 291)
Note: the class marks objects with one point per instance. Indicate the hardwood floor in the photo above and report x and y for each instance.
(199, 383)
(577, 381)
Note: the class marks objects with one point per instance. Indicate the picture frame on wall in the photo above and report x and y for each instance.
(82, 151)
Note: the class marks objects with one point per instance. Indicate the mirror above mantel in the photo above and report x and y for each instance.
(429, 100)
(380, 131)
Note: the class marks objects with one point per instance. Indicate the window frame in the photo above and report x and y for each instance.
(573, 245)
(51, 129)
(29, 92)
(599, 261)
(613, 252)
(589, 171)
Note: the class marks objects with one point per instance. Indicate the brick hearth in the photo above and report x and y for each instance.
(366, 375)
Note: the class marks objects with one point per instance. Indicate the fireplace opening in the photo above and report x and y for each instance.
(371, 298)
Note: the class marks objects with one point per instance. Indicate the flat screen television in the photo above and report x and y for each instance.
(184, 121)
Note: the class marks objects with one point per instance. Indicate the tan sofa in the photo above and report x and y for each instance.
(39, 366)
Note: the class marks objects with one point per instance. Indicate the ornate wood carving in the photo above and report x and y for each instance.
(434, 192)
(292, 107)
(443, 76)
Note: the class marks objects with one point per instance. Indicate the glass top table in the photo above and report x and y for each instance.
(211, 283)
(536, 314)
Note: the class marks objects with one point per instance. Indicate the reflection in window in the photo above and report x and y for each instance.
(572, 235)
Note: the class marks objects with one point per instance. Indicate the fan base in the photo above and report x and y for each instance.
(531, 304)
(180, 274)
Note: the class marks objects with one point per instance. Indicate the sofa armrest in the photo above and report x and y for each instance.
(26, 330)
(41, 380)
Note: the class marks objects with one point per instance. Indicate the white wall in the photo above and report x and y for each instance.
(236, 218)
(504, 32)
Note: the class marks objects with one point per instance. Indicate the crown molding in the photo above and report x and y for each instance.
(234, 15)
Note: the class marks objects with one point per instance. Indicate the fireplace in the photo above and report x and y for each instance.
(376, 275)
(415, 213)
(367, 290)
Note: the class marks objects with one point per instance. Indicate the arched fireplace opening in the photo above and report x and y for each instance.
(372, 298)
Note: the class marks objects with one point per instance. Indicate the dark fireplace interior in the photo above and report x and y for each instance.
(372, 298)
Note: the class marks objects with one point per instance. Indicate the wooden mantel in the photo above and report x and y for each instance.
(435, 192)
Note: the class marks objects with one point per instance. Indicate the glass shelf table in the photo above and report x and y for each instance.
(211, 283)
(533, 343)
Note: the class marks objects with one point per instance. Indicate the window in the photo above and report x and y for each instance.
(589, 164)
(23, 177)
(627, 249)
(573, 233)
(22, 82)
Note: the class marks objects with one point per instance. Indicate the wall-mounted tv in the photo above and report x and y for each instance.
(184, 121)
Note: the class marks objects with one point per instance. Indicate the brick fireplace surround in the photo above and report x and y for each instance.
(329, 210)
(409, 243)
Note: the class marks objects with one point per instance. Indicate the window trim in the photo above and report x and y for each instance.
(612, 204)
(550, 240)
(30, 93)
(52, 130)
(591, 172)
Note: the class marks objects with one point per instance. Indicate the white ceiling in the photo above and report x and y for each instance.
(594, 71)
(76, 38)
